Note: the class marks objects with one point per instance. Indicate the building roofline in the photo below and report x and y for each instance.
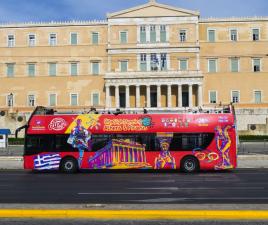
(233, 19)
(55, 23)
(105, 22)
(151, 3)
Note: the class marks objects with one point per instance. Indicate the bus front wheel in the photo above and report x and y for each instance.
(69, 165)
(189, 164)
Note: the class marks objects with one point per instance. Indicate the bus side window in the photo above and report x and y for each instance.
(39, 143)
(207, 139)
(99, 141)
(61, 144)
(189, 142)
(176, 143)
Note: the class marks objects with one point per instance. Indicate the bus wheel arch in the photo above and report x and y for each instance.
(69, 164)
(189, 164)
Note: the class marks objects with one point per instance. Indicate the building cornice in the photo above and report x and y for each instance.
(55, 23)
(105, 22)
(233, 19)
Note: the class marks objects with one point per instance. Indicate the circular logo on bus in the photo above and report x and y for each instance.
(146, 121)
(57, 124)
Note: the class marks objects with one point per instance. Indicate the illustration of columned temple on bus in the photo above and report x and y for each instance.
(120, 154)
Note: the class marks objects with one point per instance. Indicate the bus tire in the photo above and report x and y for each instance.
(189, 164)
(69, 165)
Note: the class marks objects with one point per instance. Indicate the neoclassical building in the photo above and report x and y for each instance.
(152, 56)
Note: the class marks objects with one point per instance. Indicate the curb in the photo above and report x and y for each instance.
(138, 214)
(13, 158)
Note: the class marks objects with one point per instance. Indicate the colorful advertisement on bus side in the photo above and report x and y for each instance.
(133, 153)
(96, 123)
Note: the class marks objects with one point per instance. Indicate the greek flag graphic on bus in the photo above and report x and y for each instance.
(47, 161)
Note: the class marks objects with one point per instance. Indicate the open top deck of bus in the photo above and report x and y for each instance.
(46, 121)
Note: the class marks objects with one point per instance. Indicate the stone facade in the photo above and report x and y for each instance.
(154, 56)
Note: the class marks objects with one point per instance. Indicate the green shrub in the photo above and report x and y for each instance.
(253, 137)
(16, 141)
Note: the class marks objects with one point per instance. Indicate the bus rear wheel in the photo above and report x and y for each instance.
(189, 164)
(69, 165)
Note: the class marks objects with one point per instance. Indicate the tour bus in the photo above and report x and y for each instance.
(189, 141)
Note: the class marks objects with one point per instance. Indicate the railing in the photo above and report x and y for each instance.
(154, 74)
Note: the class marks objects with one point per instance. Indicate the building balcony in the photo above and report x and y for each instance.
(154, 74)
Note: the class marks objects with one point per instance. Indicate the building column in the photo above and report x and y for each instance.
(117, 96)
(108, 96)
(179, 96)
(148, 96)
(158, 96)
(190, 95)
(169, 96)
(200, 95)
(127, 97)
(138, 96)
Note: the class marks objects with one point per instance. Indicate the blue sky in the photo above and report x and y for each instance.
(61, 10)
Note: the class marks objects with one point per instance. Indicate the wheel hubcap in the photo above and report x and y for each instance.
(68, 165)
(189, 165)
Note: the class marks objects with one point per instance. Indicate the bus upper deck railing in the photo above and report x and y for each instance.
(40, 110)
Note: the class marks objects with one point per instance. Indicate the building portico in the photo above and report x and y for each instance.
(158, 93)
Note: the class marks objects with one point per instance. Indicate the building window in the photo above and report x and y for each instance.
(211, 36)
(182, 35)
(10, 69)
(74, 39)
(11, 41)
(234, 64)
(152, 34)
(52, 100)
(123, 37)
(212, 97)
(183, 64)
(31, 69)
(52, 39)
(74, 69)
(10, 100)
(154, 62)
(95, 67)
(74, 99)
(143, 62)
(143, 34)
(163, 33)
(255, 34)
(163, 57)
(31, 100)
(212, 65)
(95, 38)
(235, 97)
(256, 65)
(124, 66)
(257, 97)
(233, 35)
(95, 98)
(52, 69)
(31, 40)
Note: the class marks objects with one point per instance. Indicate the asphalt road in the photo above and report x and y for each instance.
(115, 222)
(120, 187)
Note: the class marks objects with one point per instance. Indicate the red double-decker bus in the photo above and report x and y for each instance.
(189, 141)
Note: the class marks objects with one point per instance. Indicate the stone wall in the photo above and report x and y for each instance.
(252, 121)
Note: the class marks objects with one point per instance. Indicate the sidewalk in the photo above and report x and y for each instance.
(244, 162)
